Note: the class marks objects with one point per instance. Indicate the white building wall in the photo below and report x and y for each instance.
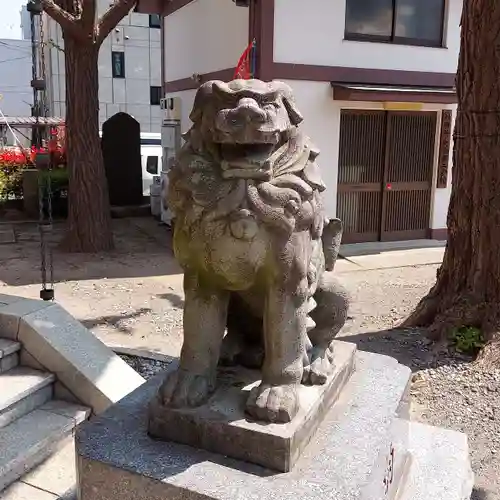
(321, 123)
(323, 23)
(204, 36)
(25, 23)
(15, 77)
(141, 46)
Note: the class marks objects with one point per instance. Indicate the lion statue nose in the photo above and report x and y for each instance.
(247, 111)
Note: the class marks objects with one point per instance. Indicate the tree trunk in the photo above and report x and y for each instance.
(467, 291)
(89, 215)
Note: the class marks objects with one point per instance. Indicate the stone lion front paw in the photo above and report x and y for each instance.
(321, 366)
(183, 389)
(275, 404)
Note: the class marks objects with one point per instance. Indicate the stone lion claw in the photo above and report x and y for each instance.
(321, 366)
(275, 404)
(183, 389)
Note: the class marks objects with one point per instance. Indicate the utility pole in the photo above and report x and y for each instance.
(38, 83)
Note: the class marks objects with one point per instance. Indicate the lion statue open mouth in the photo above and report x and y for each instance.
(256, 249)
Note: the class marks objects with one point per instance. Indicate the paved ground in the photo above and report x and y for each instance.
(133, 298)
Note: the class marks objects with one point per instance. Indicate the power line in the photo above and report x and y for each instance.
(13, 88)
(15, 48)
(15, 59)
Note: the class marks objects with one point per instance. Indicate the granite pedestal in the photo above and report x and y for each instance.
(365, 448)
(222, 426)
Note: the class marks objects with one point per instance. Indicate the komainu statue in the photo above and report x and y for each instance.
(256, 249)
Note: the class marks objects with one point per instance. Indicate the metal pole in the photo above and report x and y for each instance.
(42, 161)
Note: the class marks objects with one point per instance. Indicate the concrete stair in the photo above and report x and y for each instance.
(417, 461)
(440, 466)
(9, 354)
(37, 459)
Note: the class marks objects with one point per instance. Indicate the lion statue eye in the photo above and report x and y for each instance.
(271, 104)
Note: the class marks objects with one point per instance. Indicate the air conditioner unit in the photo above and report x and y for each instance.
(171, 107)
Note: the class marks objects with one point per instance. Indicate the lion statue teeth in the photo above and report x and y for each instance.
(256, 249)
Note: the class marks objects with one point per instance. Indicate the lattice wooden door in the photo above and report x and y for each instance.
(385, 174)
(407, 182)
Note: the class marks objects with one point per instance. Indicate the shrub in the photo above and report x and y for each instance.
(14, 161)
(467, 340)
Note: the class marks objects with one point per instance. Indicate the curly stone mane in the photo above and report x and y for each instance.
(283, 187)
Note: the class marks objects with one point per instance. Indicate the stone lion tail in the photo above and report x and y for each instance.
(332, 236)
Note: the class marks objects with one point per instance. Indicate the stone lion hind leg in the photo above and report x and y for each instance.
(330, 315)
(205, 313)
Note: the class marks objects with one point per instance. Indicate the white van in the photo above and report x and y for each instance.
(151, 159)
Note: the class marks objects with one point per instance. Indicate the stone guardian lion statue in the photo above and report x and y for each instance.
(256, 249)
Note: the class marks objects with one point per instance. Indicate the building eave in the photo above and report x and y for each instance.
(151, 6)
(387, 93)
(160, 7)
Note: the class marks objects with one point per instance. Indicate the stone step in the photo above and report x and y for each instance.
(390, 472)
(23, 389)
(440, 465)
(30, 440)
(9, 354)
(55, 477)
(21, 491)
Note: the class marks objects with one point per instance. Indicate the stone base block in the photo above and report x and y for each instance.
(222, 426)
(117, 458)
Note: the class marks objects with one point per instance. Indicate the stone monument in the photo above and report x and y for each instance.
(250, 235)
(269, 404)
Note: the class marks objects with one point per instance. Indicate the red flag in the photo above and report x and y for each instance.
(245, 68)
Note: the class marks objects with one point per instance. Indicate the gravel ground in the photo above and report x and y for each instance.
(465, 398)
(146, 367)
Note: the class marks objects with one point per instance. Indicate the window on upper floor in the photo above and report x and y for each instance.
(155, 96)
(118, 64)
(411, 22)
(154, 21)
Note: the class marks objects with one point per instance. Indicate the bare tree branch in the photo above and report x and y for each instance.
(88, 16)
(68, 22)
(112, 17)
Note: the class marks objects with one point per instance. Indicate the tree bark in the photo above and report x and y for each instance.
(89, 215)
(467, 291)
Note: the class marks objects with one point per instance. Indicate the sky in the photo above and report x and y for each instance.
(10, 18)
